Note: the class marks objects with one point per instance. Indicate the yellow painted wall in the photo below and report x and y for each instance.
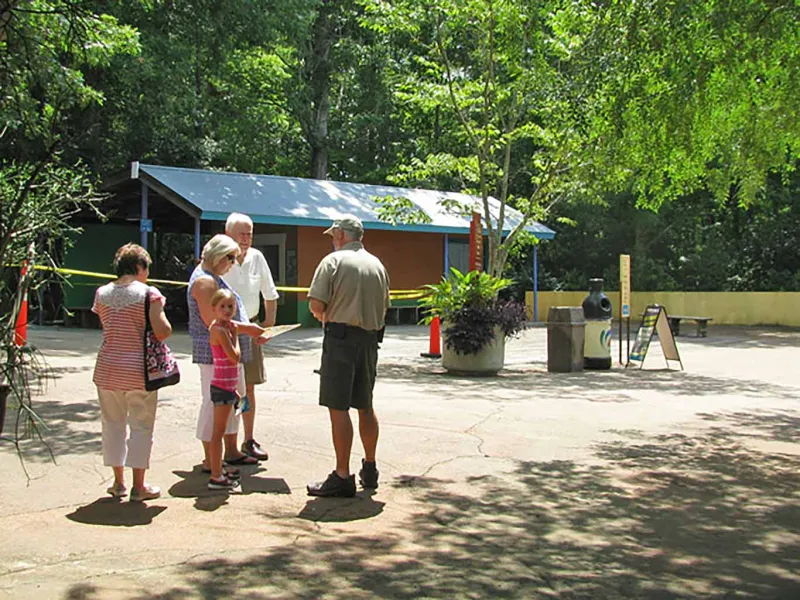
(726, 308)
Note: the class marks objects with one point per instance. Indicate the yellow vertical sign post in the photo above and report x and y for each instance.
(625, 302)
(625, 285)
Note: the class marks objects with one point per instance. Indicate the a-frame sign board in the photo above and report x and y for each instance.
(654, 320)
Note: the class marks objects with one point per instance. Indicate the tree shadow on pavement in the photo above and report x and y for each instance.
(436, 381)
(775, 425)
(70, 429)
(115, 513)
(297, 342)
(81, 591)
(53, 373)
(653, 516)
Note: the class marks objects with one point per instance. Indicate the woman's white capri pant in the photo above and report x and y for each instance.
(205, 420)
(119, 410)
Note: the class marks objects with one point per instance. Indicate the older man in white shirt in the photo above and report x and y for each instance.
(249, 276)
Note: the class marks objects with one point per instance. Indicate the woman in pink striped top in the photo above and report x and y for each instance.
(119, 372)
(224, 383)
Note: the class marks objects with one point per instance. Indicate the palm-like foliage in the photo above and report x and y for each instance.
(475, 289)
(468, 305)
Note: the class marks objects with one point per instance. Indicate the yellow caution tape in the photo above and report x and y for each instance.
(396, 294)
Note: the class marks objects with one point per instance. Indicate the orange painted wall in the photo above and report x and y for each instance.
(412, 259)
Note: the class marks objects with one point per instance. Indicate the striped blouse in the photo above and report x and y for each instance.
(120, 360)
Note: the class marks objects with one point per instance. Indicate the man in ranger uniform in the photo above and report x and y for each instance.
(349, 295)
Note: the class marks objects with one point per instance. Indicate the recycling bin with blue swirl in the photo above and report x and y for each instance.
(597, 333)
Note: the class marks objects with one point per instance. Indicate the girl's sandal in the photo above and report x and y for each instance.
(222, 483)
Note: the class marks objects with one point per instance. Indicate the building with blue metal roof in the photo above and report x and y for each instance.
(290, 214)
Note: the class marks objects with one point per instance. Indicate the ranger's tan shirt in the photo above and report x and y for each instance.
(354, 285)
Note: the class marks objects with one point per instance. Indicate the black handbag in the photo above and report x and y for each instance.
(160, 366)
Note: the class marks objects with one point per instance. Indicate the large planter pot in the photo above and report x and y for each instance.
(486, 362)
(5, 390)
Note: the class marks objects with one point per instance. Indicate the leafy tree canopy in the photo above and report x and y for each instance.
(546, 100)
(693, 94)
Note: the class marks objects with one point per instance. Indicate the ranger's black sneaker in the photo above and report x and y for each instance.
(368, 475)
(334, 487)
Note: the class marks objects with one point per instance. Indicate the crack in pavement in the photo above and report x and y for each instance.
(468, 431)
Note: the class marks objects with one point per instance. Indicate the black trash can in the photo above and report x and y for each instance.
(565, 339)
(597, 336)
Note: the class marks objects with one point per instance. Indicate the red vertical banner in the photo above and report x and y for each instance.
(476, 243)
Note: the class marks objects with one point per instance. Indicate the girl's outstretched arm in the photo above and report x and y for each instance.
(255, 331)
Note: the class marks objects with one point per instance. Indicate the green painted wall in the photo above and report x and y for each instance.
(94, 251)
(404, 302)
(287, 312)
(304, 315)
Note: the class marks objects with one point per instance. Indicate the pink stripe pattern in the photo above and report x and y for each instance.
(226, 373)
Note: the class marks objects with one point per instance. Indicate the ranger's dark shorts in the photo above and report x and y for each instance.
(349, 366)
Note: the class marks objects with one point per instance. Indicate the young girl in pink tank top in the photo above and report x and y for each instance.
(224, 383)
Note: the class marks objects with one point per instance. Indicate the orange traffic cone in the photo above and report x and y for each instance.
(435, 343)
(21, 326)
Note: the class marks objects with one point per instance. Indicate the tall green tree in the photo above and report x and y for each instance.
(693, 243)
(557, 99)
(46, 48)
(336, 91)
(186, 100)
(490, 67)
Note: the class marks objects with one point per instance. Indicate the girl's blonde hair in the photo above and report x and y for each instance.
(221, 295)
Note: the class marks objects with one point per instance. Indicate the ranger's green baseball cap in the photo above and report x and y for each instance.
(348, 223)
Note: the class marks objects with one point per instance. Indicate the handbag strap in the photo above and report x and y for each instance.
(147, 325)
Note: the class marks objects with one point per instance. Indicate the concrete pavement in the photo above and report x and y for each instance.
(620, 484)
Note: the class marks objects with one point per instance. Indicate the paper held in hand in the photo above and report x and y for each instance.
(279, 329)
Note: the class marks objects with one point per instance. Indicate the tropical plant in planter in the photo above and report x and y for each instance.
(475, 321)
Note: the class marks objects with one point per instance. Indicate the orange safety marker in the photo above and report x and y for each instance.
(21, 326)
(435, 343)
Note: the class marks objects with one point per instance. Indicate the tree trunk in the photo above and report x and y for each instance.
(319, 84)
(319, 152)
(6, 14)
(198, 84)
